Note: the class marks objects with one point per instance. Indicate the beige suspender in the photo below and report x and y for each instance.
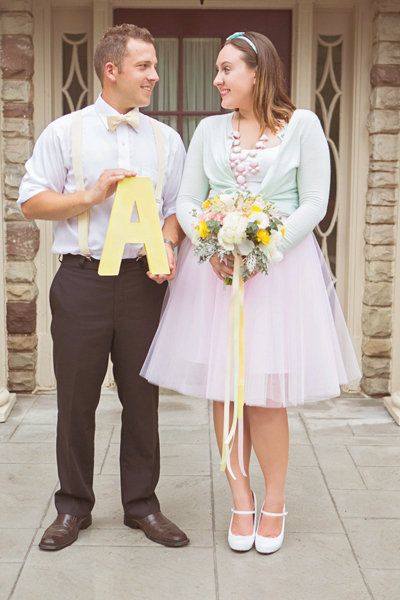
(76, 133)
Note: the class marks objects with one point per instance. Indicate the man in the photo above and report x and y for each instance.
(76, 165)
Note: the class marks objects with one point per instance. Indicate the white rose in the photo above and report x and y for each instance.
(233, 231)
(228, 200)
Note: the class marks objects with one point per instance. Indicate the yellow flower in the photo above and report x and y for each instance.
(203, 229)
(206, 204)
(283, 231)
(263, 236)
(255, 209)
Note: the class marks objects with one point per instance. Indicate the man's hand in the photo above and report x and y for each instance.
(106, 185)
(172, 267)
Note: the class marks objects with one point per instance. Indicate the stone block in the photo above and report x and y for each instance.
(22, 240)
(11, 193)
(381, 214)
(385, 97)
(376, 270)
(382, 179)
(378, 293)
(375, 367)
(16, 23)
(385, 75)
(15, 127)
(21, 292)
(13, 174)
(376, 322)
(375, 386)
(20, 272)
(22, 342)
(17, 91)
(18, 150)
(16, 60)
(386, 53)
(12, 212)
(377, 346)
(387, 26)
(21, 317)
(383, 121)
(384, 146)
(22, 361)
(380, 234)
(21, 381)
(25, 111)
(385, 253)
(391, 166)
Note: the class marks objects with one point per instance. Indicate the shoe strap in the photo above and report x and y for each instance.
(243, 512)
(270, 514)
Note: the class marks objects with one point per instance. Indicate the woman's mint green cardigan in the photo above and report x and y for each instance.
(297, 181)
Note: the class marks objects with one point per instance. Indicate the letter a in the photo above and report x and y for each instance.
(121, 230)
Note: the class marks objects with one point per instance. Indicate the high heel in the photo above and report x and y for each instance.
(267, 545)
(243, 543)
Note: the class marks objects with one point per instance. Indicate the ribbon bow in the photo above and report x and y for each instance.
(132, 118)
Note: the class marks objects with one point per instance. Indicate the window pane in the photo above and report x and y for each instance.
(165, 94)
(189, 125)
(199, 56)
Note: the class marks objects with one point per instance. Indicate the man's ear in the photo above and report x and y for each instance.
(110, 72)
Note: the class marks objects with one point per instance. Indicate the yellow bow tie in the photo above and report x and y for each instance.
(132, 118)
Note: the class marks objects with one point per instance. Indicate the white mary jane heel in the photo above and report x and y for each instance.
(243, 543)
(267, 545)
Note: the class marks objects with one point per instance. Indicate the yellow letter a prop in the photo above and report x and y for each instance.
(122, 231)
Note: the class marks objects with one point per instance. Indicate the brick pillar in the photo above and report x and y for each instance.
(21, 237)
(382, 200)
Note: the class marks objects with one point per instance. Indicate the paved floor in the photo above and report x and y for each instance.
(343, 497)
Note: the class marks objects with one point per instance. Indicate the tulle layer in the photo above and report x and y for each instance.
(297, 346)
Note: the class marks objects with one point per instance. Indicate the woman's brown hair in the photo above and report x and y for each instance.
(271, 104)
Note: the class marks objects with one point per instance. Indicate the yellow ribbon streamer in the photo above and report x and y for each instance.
(235, 359)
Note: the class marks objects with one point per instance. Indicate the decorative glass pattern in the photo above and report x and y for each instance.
(327, 106)
(75, 71)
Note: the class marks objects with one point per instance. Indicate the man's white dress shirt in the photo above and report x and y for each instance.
(50, 168)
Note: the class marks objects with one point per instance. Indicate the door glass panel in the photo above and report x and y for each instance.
(199, 55)
(165, 94)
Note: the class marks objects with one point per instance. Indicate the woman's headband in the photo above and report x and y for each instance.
(241, 36)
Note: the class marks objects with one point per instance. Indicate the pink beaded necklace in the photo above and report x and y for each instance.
(238, 158)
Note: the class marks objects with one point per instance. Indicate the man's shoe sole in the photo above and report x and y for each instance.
(134, 525)
(87, 521)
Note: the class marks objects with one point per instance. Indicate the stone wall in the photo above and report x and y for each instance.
(382, 198)
(21, 237)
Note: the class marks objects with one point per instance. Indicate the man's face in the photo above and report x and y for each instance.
(138, 76)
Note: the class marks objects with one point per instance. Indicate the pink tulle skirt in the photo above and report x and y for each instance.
(297, 346)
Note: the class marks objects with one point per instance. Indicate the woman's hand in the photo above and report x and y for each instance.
(222, 268)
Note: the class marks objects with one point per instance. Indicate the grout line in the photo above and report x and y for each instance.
(356, 466)
(216, 582)
(338, 515)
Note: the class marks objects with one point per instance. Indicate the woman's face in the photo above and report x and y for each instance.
(234, 80)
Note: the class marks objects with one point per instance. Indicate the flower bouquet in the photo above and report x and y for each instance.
(239, 224)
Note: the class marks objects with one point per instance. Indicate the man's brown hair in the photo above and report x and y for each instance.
(112, 46)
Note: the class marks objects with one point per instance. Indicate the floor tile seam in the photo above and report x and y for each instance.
(199, 475)
(108, 445)
(31, 545)
(367, 587)
(356, 466)
(373, 518)
(213, 519)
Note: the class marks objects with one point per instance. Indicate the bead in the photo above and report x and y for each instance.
(264, 138)
(236, 142)
(243, 187)
(253, 153)
(240, 179)
(236, 149)
(253, 163)
(236, 134)
(259, 145)
(241, 167)
(243, 155)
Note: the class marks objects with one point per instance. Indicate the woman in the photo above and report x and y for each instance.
(297, 345)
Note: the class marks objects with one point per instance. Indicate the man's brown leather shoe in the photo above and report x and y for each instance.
(64, 531)
(159, 529)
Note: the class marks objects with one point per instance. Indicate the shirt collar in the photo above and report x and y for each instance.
(104, 109)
